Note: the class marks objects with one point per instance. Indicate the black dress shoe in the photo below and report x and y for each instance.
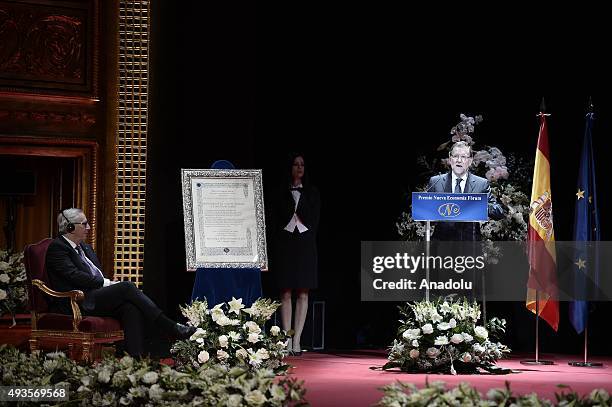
(184, 331)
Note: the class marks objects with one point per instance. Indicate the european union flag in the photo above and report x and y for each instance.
(586, 227)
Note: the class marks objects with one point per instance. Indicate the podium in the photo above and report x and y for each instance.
(447, 207)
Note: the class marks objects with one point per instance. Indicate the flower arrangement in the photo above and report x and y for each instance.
(443, 336)
(140, 382)
(13, 291)
(232, 335)
(435, 394)
(508, 175)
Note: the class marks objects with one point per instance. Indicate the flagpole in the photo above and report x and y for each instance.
(537, 360)
(427, 243)
(587, 139)
(586, 362)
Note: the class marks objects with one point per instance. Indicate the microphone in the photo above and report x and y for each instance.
(435, 183)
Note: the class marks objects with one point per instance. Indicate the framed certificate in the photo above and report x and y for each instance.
(224, 218)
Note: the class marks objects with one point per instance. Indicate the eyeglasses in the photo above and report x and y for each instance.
(462, 157)
(82, 223)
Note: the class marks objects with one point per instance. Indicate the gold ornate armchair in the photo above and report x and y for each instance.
(82, 336)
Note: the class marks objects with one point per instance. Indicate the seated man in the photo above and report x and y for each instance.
(73, 265)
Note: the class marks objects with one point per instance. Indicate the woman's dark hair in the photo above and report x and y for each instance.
(290, 159)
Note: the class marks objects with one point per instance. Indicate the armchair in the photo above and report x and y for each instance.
(85, 333)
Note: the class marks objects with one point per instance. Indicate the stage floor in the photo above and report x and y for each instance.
(344, 378)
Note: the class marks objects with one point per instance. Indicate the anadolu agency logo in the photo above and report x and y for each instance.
(449, 210)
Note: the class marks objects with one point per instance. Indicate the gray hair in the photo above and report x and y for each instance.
(460, 144)
(66, 217)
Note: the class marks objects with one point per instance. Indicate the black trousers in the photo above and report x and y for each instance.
(125, 302)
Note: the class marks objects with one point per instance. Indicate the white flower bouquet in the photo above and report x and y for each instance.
(144, 382)
(233, 335)
(13, 292)
(443, 336)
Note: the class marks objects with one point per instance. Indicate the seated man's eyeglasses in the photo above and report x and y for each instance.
(85, 223)
(462, 157)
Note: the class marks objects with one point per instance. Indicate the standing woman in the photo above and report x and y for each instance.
(296, 231)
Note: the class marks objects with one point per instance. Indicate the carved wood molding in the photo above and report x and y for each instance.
(86, 152)
(49, 47)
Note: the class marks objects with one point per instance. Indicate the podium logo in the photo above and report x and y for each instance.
(449, 210)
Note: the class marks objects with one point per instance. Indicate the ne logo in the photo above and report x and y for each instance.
(449, 210)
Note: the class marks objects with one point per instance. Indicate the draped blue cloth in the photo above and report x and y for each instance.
(221, 284)
(586, 227)
(218, 285)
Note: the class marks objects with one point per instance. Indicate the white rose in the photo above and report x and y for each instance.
(241, 353)
(467, 337)
(443, 326)
(466, 357)
(235, 400)
(253, 337)
(275, 330)
(441, 340)
(4, 265)
(427, 329)
(415, 343)
(149, 377)
(456, 338)
(433, 352)
(2, 294)
(4, 278)
(255, 398)
(410, 334)
(203, 357)
(156, 392)
(414, 353)
(481, 332)
(263, 353)
(252, 327)
(222, 355)
(452, 323)
(104, 376)
(223, 341)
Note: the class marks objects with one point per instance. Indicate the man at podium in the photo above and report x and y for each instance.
(459, 180)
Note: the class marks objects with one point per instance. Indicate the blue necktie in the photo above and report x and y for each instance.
(458, 186)
(92, 268)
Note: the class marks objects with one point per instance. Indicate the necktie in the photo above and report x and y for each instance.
(458, 186)
(92, 268)
(299, 189)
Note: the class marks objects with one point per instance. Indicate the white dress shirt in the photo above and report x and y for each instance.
(295, 221)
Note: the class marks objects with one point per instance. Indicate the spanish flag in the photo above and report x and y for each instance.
(541, 237)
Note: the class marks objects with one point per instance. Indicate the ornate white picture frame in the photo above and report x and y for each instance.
(224, 218)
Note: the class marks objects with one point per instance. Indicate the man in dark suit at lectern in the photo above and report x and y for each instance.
(459, 180)
(72, 265)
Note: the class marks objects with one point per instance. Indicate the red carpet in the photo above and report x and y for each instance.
(345, 378)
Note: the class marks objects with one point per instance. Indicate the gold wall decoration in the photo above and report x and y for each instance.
(131, 139)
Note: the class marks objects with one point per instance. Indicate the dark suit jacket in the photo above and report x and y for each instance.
(308, 209)
(458, 231)
(68, 272)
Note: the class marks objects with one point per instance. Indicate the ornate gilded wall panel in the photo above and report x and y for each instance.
(49, 47)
